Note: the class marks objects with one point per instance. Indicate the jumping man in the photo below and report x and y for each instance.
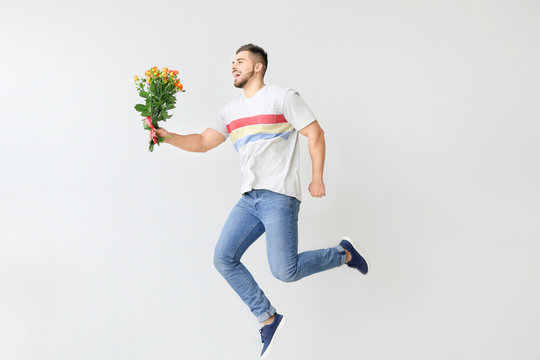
(263, 125)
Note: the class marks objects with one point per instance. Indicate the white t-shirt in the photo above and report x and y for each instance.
(264, 131)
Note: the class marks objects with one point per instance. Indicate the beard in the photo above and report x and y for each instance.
(244, 81)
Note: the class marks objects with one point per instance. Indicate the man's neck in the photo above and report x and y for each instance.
(252, 87)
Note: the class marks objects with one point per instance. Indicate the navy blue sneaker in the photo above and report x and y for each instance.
(357, 261)
(269, 333)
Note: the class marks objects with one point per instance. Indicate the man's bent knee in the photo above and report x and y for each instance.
(222, 261)
(289, 276)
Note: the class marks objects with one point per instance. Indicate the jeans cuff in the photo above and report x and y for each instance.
(342, 253)
(266, 315)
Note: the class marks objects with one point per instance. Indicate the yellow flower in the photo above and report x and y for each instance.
(135, 78)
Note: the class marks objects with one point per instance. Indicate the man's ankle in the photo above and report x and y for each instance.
(268, 321)
(348, 256)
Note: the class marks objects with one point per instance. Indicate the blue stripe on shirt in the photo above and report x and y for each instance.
(260, 136)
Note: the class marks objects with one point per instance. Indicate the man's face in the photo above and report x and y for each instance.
(243, 68)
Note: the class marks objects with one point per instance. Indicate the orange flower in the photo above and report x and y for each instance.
(165, 70)
(147, 73)
(154, 68)
(135, 78)
(179, 86)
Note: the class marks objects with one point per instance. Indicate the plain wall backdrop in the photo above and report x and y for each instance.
(431, 112)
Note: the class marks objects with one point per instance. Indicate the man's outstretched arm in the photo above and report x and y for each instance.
(207, 140)
(317, 149)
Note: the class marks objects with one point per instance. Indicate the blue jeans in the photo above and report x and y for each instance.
(260, 211)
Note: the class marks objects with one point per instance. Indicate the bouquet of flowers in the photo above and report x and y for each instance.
(159, 90)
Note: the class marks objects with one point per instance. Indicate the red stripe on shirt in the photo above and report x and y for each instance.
(255, 120)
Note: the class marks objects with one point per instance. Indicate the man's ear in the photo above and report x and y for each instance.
(258, 67)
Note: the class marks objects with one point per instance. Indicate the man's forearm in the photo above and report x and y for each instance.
(192, 142)
(317, 149)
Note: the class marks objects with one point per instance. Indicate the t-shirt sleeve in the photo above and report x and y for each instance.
(296, 111)
(219, 125)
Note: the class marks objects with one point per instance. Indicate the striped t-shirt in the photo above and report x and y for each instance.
(264, 131)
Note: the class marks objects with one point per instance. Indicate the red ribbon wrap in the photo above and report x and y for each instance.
(153, 135)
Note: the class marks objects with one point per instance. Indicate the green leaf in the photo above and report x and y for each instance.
(144, 94)
(140, 107)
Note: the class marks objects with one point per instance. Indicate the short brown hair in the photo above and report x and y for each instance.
(258, 52)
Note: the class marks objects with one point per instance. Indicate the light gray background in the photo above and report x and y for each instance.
(431, 115)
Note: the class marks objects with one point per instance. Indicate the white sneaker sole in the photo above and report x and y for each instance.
(271, 346)
(355, 245)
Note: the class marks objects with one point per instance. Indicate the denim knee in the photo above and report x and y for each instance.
(285, 276)
(222, 262)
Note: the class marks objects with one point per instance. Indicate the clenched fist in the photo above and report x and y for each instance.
(316, 188)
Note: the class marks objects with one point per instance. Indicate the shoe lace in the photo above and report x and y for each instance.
(262, 336)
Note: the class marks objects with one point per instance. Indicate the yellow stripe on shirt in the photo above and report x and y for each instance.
(261, 128)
